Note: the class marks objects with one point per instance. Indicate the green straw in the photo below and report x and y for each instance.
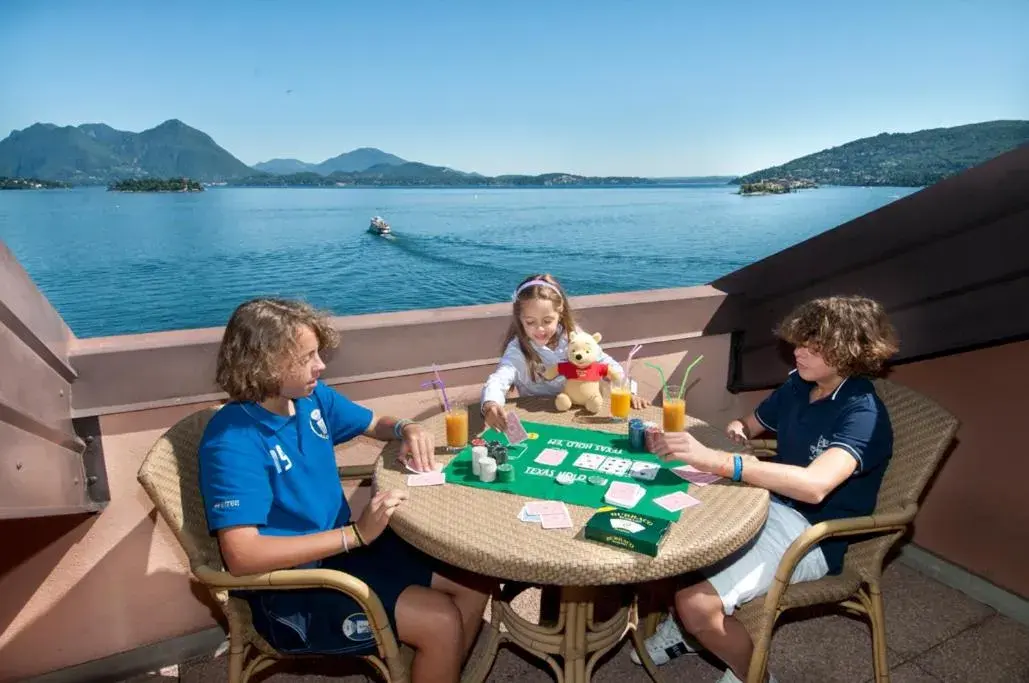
(664, 384)
(682, 387)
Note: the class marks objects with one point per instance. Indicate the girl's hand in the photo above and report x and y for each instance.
(684, 447)
(737, 432)
(638, 402)
(418, 449)
(494, 416)
(375, 517)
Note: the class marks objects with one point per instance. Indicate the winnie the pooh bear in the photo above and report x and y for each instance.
(583, 373)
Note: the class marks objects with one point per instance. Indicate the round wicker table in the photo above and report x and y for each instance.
(479, 530)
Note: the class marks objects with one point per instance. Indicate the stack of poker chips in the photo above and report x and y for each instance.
(487, 470)
(479, 453)
(651, 430)
(497, 451)
(637, 435)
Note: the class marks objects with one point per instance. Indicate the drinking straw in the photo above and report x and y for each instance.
(661, 373)
(682, 387)
(628, 361)
(442, 387)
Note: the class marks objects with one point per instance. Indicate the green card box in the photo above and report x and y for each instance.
(625, 529)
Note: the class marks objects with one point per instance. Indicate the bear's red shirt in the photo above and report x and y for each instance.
(593, 372)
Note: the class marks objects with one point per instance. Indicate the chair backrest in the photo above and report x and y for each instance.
(170, 475)
(922, 432)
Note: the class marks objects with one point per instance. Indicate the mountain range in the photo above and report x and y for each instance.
(95, 153)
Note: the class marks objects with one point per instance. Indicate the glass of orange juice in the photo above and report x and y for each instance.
(673, 412)
(457, 427)
(621, 399)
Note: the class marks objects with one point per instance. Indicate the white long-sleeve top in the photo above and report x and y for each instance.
(513, 370)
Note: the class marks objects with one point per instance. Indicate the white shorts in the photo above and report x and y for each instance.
(751, 574)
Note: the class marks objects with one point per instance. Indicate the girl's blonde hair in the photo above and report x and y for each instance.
(259, 338)
(533, 289)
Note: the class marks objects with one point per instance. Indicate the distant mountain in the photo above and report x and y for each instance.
(360, 159)
(285, 166)
(413, 174)
(97, 153)
(902, 159)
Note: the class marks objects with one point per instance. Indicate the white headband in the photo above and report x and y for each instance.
(532, 283)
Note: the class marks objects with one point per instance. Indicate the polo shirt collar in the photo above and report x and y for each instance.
(808, 385)
(269, 421)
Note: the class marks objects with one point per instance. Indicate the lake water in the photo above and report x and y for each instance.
(115, 263)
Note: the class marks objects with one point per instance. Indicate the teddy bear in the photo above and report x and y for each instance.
(583, 372)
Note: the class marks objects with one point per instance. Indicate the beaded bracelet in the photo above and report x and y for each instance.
(346, 546)
(357, 535)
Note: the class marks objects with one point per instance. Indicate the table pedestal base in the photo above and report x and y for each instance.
(571, 647)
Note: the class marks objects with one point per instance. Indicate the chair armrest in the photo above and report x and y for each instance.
(292, 579)
(881, 523)
(763, 447)
(356, 472)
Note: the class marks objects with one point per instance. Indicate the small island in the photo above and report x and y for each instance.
(29, 184)
(776, 186)
(156, 185)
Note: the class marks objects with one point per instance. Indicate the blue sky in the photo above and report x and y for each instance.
(636, 88)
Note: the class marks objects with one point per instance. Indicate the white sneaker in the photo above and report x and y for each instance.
(666, 644)
(730, 677)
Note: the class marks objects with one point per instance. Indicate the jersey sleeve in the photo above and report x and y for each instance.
(344, 418)
(859, 430)
(234, 481)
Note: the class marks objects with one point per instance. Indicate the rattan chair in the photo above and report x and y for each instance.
(922, 433)
(169, 474)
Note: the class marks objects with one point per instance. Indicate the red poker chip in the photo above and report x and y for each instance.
(478, 442)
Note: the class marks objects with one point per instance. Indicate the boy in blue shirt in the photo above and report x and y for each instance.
(272, 495)
(834, 443)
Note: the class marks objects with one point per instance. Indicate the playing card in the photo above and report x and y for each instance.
(695, 476)
(427, 479)
(646, 471)
(673, 502)
(561, 520)
(545, 507)
(623, 494)
(515, 432)
(551, 456)
(615, 466)
(588, 461)
(526, 516)
(407, 464)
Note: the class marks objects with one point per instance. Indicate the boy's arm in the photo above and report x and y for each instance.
(246, 551)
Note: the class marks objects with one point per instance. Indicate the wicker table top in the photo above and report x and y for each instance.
(479, 530)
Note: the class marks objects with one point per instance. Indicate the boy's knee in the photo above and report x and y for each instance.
(699, 609)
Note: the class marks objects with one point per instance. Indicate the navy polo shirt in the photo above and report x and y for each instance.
(278, 473)
(852, 418)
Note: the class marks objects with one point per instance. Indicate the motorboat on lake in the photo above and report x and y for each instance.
(379, 227)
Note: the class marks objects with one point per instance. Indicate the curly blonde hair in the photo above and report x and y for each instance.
(260, 339)
(852, 333)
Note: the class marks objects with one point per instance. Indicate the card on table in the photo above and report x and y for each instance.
(407, 464)
(646, 471)
(673, 502)
(695, 476)
(434, 478)
(545, 507)
(589, 461)
(623, 494)
(526, 516)
(551, 456)
(615, 466)
(560, 520)
(515, 432)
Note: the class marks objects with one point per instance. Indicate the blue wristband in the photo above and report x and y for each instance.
(737, 467)
(398, 427)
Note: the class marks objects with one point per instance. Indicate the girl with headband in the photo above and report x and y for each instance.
(538, 337)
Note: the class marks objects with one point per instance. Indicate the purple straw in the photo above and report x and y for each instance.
(442, 388)
(628, 361)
